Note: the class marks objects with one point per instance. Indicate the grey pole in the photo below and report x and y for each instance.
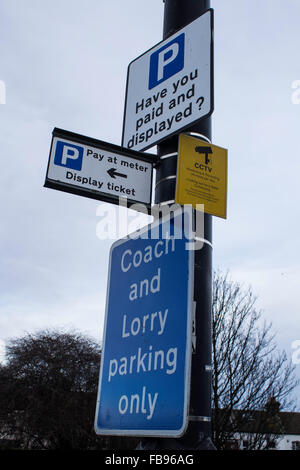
(177, 14)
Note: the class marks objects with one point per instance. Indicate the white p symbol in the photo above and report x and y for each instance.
(2, 92)
(69, 153)
(165, 57)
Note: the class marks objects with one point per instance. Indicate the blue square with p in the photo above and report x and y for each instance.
(166, 61)
(68, 155)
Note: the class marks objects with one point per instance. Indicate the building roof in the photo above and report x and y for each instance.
(258, 421)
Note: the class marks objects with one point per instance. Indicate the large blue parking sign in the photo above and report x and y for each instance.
(145, 367)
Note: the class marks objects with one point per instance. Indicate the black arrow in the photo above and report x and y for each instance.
(113, 173)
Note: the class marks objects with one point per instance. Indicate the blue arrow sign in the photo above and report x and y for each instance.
(145, 367)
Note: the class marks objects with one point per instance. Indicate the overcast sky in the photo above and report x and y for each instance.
(64, 64)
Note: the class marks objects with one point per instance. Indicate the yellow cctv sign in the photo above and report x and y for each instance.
(202, 175)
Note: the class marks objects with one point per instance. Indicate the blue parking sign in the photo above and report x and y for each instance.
(170, 87)
(145, 366)
(68, 155)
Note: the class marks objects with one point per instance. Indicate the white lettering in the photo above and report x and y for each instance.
(113, 367)
(151, 404)
(138, 324)
(296, 354)
(123, 408)
(124, 334)
(145, 287)
(156, 253)
(144, 361)
(125, 269)
(2, 92)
